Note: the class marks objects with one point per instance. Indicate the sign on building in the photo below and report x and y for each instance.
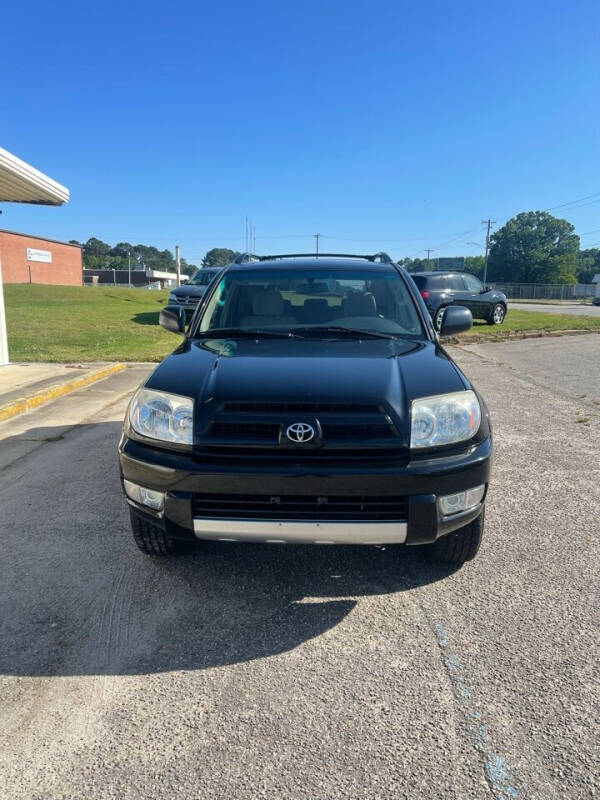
(39, 255)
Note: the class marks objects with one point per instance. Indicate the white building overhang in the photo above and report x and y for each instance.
(22, 183)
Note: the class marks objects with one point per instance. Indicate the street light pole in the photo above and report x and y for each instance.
(129, 266)
(489, 223)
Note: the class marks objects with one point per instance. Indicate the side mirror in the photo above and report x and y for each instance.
(457, 319)
(172, 318)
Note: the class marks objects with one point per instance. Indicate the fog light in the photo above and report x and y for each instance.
(461, 501)
(145, 497)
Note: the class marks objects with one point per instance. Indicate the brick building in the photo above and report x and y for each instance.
(32, 259)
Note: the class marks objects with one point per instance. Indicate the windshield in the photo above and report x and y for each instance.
(203, 277)
(288, 300)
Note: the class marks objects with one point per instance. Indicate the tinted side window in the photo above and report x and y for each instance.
(454, 283)
(435, 283)
(420, 281)
(473, 283)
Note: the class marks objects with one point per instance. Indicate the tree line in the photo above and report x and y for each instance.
(532, 247)
(97, 254)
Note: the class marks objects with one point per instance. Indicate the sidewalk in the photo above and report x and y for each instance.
(27, 386)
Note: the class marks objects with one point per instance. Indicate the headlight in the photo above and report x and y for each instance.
(173, 298)
(444, 419)
(160, 415)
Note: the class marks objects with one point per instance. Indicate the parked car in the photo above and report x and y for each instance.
(188, 295)
(442, 289)
(309, 401)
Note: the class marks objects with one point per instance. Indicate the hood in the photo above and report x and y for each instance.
(374, 372)
(189, 290)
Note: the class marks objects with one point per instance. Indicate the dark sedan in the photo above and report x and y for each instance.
(442, 289)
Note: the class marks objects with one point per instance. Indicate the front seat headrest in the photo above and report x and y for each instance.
(360, 305)
(267, 303)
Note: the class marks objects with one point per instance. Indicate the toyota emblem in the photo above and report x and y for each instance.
(300, 432)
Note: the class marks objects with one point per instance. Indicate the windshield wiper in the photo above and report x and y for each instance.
(238, 333)
(339, 329)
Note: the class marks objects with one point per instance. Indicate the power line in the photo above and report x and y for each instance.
(579, 200)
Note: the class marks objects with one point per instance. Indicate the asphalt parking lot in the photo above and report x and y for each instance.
(300, 672)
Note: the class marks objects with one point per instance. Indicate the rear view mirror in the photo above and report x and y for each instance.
(457, 319)
(172, 318)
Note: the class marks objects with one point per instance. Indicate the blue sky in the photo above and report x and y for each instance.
(387, 125)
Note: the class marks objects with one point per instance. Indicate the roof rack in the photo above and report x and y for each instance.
(382, 257)
(242, 258)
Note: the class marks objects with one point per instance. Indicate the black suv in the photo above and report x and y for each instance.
(191, 292)
(309, 401)
(442, 289)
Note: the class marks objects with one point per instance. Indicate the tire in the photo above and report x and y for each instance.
(438, 317)
(152, 540)
(497, 315)
(461, 545)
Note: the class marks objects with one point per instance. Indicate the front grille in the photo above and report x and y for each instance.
(268, 433)
(300, 507)
(341, 431)
(248, 428)
(245, 430)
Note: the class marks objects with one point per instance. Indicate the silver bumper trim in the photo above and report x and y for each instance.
(300, 532)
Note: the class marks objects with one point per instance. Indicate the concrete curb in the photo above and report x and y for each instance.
(23, 404)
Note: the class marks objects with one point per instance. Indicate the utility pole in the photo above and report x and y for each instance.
(317, 237)
(489, 223)
(250, 246)
(178, 264)
(129, 266)
(428, 252)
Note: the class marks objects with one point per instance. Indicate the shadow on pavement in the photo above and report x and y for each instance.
(78, 598)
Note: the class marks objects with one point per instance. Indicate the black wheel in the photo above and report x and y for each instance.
(152, 540)
(461, 545)
(497, 315)
(438, 317)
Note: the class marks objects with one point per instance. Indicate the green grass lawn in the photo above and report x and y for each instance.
(72, 323)
(517, 320)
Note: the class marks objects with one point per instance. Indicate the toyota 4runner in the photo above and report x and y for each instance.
(309, 401)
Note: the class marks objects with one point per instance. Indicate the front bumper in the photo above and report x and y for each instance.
(420, 479)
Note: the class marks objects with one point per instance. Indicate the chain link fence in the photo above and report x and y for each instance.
(546, 291)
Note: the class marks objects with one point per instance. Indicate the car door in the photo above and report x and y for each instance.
(477, 299)
(456, 288)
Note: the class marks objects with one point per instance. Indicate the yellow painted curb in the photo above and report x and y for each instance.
(27, 403)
